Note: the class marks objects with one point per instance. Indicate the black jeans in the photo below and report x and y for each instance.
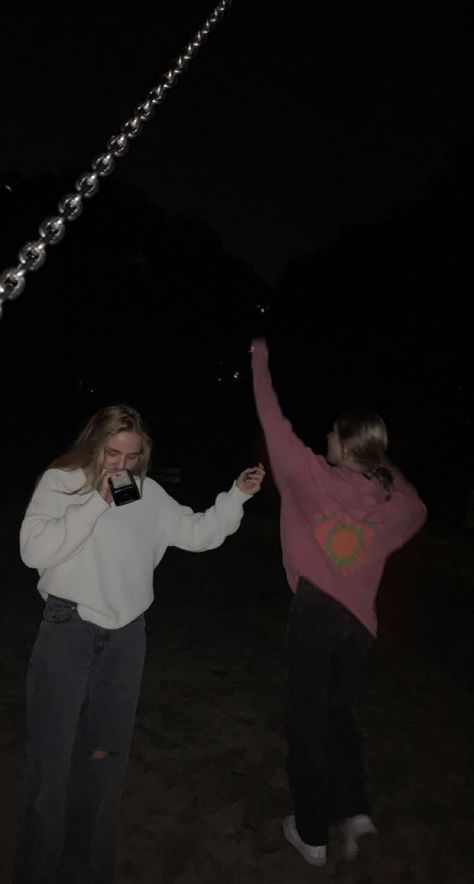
(327, 649)
(82, 692)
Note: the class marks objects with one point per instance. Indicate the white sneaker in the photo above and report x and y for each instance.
(353, 829)
(314, 855)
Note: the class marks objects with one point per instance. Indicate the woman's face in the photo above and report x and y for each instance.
(334, 453)
(122, 451)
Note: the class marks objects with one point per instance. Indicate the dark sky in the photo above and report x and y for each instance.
(296, 120)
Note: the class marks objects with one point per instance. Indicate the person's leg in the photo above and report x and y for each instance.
(348, 799)
(56, 685)
(313, 634)
(346, 771)
(107, 728)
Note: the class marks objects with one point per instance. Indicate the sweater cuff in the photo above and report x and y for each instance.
(237, 494)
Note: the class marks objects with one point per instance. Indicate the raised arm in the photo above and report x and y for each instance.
(197, 532)
(282, 442)
(53, 530)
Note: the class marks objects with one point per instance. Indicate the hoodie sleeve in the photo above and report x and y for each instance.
(411, 511)
(285, 448)
(53, 531)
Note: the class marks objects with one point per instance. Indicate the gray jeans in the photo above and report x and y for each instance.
(82, 691)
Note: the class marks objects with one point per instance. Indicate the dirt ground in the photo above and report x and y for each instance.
(206, 789)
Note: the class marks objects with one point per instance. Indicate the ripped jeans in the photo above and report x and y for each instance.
(82, 691)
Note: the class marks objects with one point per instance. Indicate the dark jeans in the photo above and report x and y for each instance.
(327, 649)
(82, 692)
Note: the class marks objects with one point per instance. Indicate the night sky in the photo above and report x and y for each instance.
(294, 122)
(315, 159)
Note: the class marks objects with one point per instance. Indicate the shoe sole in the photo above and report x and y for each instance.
(296, 843)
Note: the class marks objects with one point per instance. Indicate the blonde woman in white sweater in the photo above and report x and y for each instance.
(96, 561)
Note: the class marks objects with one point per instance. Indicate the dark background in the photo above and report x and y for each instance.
(310, 177)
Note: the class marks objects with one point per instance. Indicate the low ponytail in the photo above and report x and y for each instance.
(384, 476)
(364, 436)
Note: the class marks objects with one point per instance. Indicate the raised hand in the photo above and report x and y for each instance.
(251, 479)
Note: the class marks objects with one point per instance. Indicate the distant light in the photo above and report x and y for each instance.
(261, 308)
(220, 380)
(7, 187)
(236, 375)
(91, 390)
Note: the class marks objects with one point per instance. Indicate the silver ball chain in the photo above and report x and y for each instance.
(51, 230)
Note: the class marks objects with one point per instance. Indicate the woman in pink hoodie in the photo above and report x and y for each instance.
(341, 518)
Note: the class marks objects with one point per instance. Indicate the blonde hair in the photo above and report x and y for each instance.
(88, 451)
(364, 437)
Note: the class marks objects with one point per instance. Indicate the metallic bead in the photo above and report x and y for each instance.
(132, 127)
(118, 144)
(52, 230)
(70, 206)
(12, 283)
(145, 110)
(104, 164)
(32, 255)
(156, 94)
(88, 184)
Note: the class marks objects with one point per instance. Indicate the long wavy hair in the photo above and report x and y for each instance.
(88, 451)
(364, 437)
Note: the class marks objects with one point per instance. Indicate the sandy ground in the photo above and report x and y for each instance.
(206, 788)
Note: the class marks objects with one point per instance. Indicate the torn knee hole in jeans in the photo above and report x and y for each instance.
(99, 755)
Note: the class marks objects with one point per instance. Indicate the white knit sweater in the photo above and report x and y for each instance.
(103, 556)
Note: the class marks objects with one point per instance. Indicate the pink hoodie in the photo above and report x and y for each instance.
(337, 529)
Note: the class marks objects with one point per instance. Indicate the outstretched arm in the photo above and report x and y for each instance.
(197, 532)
